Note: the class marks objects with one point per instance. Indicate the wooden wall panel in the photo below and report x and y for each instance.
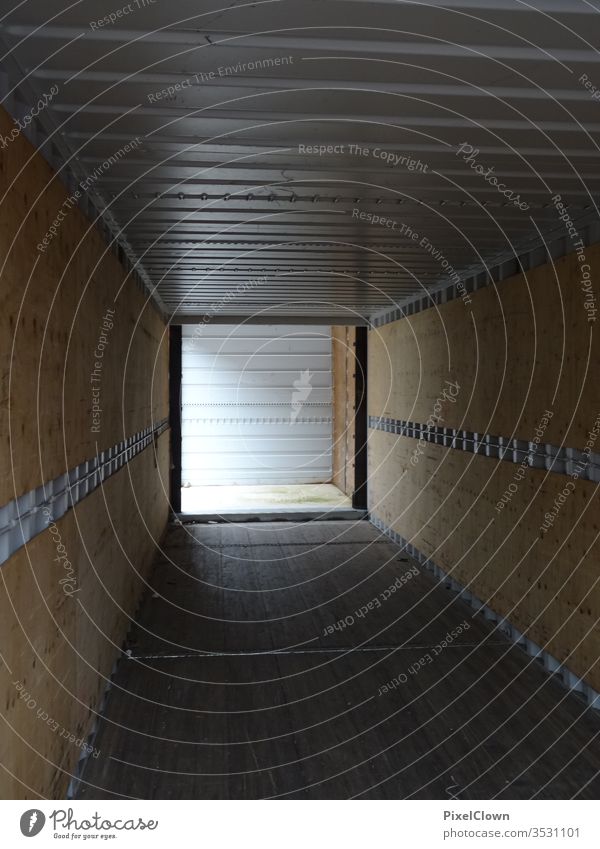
(520, 348)
(547, 584)
(344, 399)
(61, 647)
(50, 324)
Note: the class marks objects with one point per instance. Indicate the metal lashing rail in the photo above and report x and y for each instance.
(25, 517)
(541, 455)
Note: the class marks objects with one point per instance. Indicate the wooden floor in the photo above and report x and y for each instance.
(236, 687)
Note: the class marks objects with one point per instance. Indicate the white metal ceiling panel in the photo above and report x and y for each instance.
(256, 405)
(315, 148)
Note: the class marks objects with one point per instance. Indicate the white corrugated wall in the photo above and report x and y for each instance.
(256, 404)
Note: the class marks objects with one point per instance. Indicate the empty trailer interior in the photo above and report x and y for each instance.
(268, 243)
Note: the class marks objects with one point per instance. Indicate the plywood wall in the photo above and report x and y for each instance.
(344, 411)
(523, 348)
(520, 347)
(54, 303)
(59, 641)
(544, 583)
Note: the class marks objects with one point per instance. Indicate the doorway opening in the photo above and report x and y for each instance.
(267, 420)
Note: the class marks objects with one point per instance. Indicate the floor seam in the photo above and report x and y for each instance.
(324, 650)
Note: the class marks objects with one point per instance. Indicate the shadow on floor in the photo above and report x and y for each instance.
(317, 661)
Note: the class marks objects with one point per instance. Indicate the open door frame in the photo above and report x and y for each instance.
(175, 414)
(359, 496)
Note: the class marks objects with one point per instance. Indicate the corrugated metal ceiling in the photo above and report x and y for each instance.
(225, 187)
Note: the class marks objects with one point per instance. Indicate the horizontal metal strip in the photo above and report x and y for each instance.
(252, 404)
(243, 437)
(223, 546)
(223, 371)
(264, 421)
(345, 40)
(266, 83)
(284, 451)
(537, 455)
(25, 517)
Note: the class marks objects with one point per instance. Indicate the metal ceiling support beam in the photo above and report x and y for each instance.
(266, 83)
(280, 42)
(242, 152)
(288, 116)
(552, 7)
(270, 317)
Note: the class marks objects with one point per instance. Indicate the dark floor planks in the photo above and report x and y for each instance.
(233, 687)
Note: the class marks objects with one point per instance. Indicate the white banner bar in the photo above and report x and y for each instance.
(309, 825)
